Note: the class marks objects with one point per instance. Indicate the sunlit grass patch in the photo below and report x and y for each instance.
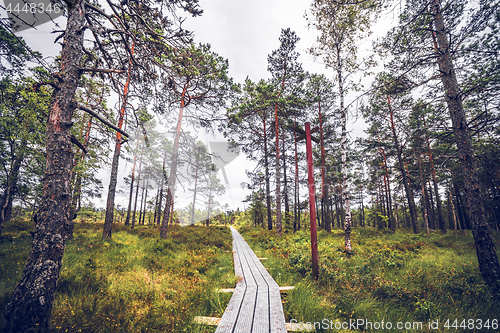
(397, 277)
(135, 282)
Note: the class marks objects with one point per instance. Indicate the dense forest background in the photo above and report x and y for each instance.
(429, 161)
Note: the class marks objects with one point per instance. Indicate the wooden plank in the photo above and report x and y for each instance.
(245, 317)
(230, 316)
(236, 259)
(277, 317)
(225, 290)
(261, 318)
(256, 303)
(247, 311)
(212, 321)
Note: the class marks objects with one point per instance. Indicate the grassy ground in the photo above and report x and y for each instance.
(397, 278)
(134, 283)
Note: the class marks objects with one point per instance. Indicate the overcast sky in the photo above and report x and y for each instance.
(245, 32)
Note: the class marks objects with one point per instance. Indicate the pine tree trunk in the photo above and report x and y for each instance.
(77, 190)
(132, 178)
(110, 204)
(337, 212)
(175, 157)
(145, 201)
(362, 215)
(160, 199)
(166, 215)
(279, 230)
(392, 225)
(324, 186)
(31, 303)
(452, 211)
(285, 184)
(155, 212)
(142, 202)
(436, 190)
(194, 193)
(483, 239)
(12, 177)
(343, 151)
(268, 186)
(296, 188)
(424, 196)
(461, 216)
(430, 204)
(137, 190)
(209, 207)
(406, 180)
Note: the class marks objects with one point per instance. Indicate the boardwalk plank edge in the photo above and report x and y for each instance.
(214, 321)
(230, 290)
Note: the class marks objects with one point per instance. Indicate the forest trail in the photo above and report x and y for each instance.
(256, 302)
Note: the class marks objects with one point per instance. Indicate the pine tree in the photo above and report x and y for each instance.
(340, 26)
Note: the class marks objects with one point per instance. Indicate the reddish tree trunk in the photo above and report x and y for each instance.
(268, 189)
(173, 167)
(110, 204)
(296, 189)
(278, 173)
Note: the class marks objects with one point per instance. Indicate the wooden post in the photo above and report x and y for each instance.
(310, 177)
(312, 202)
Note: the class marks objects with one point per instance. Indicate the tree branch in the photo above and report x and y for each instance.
(101, 70)
(78, 143)
(102, 120)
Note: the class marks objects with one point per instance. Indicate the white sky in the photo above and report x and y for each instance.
(245, 32)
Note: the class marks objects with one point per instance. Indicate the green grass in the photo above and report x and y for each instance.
(135, 282)
(398, 277)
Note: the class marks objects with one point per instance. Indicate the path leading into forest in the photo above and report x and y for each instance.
(256, 302)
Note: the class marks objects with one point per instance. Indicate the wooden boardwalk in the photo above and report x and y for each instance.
(256, 302)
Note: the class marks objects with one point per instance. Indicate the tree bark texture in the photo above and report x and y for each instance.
(483, 239)
(31, 304)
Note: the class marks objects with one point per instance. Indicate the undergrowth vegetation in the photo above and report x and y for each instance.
(400, 277)
(136, 282)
